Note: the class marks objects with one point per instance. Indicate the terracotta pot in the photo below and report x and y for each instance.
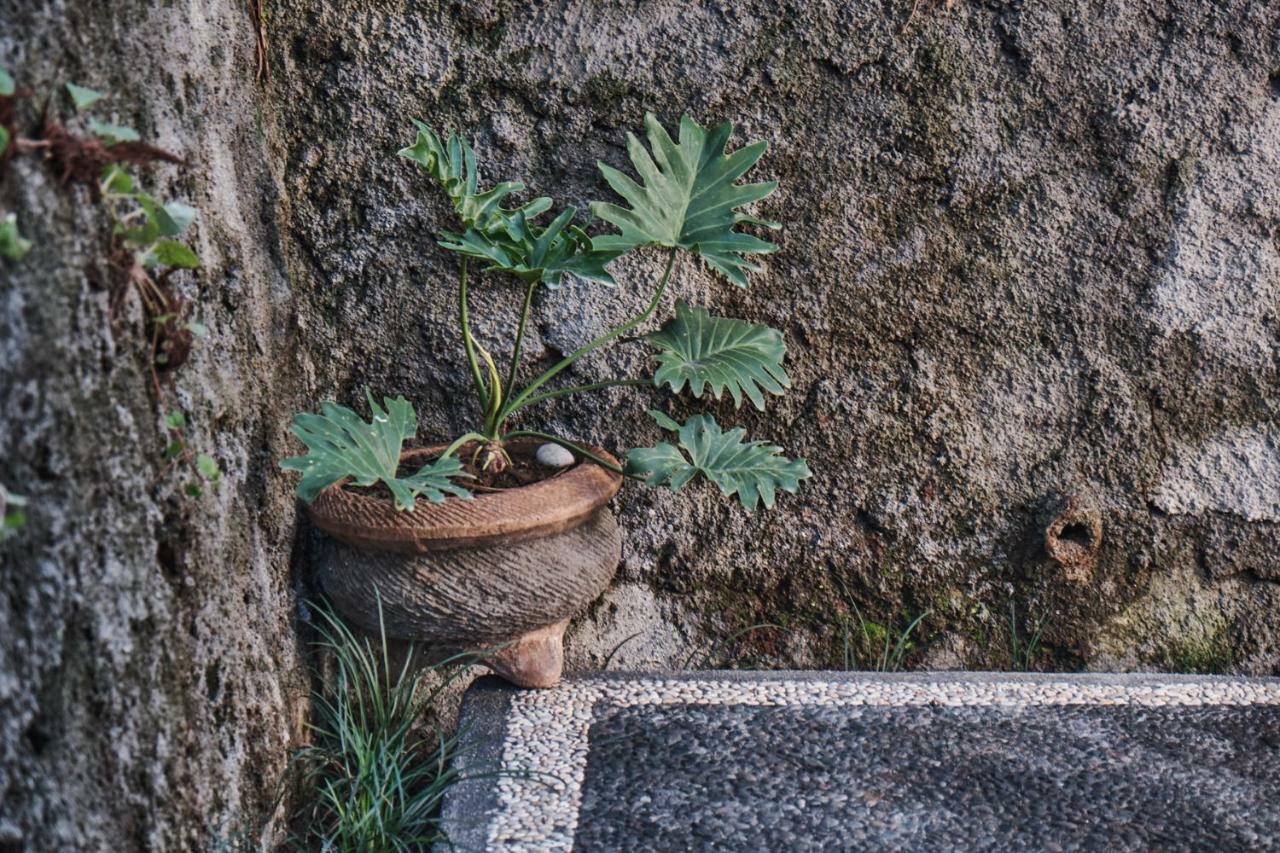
(502, 573)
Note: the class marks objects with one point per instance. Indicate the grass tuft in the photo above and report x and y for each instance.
(376, 778)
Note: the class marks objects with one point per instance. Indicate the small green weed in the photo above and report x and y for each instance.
(870, 645)
(1023, 650)
(12, 512)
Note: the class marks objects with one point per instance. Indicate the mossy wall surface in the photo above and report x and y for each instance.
(1032, 252)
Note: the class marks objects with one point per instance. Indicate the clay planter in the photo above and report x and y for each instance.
(507, 569)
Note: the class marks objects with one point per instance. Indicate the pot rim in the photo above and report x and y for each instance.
(550, 506)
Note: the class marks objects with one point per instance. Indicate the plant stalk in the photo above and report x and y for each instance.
(519, 401)
(524, 319)
(464, 319)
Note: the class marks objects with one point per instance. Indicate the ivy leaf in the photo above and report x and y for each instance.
(12, 244)
(753, 470)
(342, 445)
(175, 420)
(719, 353)
(7, 87)
(116, 180)
(112, 133)
(160, 223)
(171, 253)
(688, 199)
(182, 215)
(83, 98)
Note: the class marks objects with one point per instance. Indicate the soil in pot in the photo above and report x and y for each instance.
(524, 470)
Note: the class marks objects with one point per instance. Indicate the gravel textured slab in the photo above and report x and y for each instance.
(737, 761)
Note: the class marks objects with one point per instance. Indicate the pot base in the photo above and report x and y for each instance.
(533, 660)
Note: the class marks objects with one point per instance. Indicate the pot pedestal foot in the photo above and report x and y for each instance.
(533, 660)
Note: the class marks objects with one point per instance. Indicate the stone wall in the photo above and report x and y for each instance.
(1031, 263)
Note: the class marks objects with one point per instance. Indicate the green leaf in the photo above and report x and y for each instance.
(83, 98)
(453, 165)
(663, 420)
(112, 133)
(14, 517)
(116, 180)
(342, 445)
(532, 253)
(193, 490)
(7, 86)
(208, 468)
(719, 353)
(181, 215)
(505, 239)
(171, 253)
(174, 449)
(160, 222)
(175, 420)
(197, 329)
(4, 138)
(12, 244)
(14, 520)
(753, 470)
(688, 198)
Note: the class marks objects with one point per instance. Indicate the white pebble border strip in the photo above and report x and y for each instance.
(547, 730)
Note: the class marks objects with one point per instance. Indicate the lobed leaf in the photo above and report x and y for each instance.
(719, 354)
(753, 470)
(505, 239)
(534, 254)
(341, 445)
(688, 198)
(452, 163)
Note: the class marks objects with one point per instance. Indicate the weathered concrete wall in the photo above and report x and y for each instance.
(150, 677)
(1032, 252)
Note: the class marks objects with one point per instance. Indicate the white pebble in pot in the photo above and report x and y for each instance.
(554, 456)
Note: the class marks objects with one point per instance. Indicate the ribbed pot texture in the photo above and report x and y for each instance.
(507, 569)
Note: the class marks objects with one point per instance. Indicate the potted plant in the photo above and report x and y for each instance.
(496, 538)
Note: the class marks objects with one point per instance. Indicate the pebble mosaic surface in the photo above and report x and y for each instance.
(911, 762)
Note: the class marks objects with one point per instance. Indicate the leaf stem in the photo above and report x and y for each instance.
(546, 436)
(518, 401)
(524, 319)
(594, 386)
(468, 343)
(461, 440)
